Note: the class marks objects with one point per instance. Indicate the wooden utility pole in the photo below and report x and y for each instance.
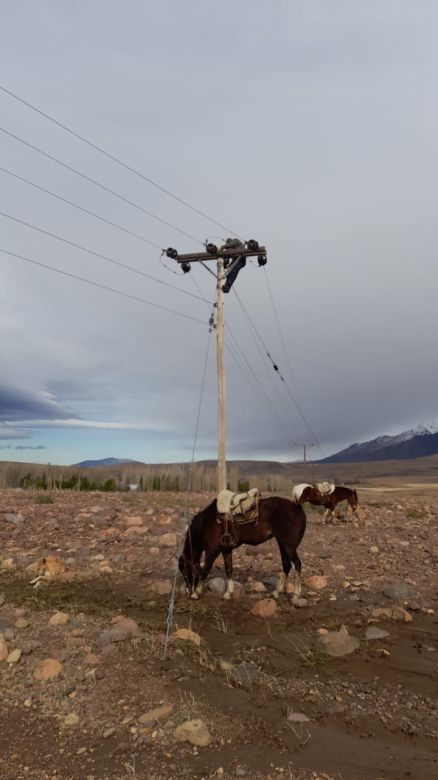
(231, 258)
(221, 425)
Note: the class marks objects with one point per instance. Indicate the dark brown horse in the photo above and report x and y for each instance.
(277, 517)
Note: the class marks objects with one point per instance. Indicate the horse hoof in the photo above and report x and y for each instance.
(194, 596)
(227, 596)
(275, 594)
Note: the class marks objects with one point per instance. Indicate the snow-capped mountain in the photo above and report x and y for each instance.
(416, 443)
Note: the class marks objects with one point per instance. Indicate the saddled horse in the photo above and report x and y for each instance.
(277, 517)
(338, 494)
(325, 494)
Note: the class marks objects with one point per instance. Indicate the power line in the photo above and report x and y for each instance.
(271, 403)
(101, 286)
(277, 320)
(100, 255)
(276, 369)
(115, 159)
(80, 208)
(98, 184)
(256, 386)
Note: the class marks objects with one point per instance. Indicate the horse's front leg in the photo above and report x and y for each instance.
(228, 561)
(210, 557)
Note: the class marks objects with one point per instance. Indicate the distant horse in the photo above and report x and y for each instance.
(277, 517)
(340, 493)
(325, 494)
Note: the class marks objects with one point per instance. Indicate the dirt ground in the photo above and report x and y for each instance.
(274, 703)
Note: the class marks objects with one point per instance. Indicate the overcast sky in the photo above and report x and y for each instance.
(310, 126)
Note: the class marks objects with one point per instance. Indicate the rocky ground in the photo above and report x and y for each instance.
(344, 687)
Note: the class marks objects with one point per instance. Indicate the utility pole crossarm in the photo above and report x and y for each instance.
(221, 254)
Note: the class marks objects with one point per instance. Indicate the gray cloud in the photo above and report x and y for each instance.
(323, 148)
(17, 404)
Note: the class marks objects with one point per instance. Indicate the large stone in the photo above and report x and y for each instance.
(217, 585)
(337, 643)
(193, 731)
(265, 608)
(187, 635)
(398, 590)
(153, 716)
(316, 582)
(167, 540)
(122, 628)
(48, 669)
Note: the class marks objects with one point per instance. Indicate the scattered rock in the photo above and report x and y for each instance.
(133, 521)
(162, 588)
(300, 603)
(3, 648)
(122, 628)
(59, 619)
(167, 540)
(2, 599)
(257, 587)
(398, 590)
(298, 717)
(265, 608)
(71, 720)
(391, 613)
(48, 669)
(187, 635)
(108, 733)
(153, 716)
(337, 643)
(375, 550)
(193, 731)
(14, 656)
(14, 519)
(22, 623)
(225, 666)
(316, 582)
(375, 633)
(217, 585)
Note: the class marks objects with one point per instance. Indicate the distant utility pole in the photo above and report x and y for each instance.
(231, 258)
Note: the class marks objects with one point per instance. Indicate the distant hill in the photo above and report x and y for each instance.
(94, 464)
(416, 443)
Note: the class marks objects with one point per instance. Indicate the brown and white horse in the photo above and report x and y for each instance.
(325, 494)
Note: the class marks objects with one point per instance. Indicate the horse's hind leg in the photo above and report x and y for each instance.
(285, 560)
(228, 561)
(296, 563)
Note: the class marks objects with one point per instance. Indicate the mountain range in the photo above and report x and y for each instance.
(92, 464)
(414, 443)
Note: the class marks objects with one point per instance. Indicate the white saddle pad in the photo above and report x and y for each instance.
(236, 503)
